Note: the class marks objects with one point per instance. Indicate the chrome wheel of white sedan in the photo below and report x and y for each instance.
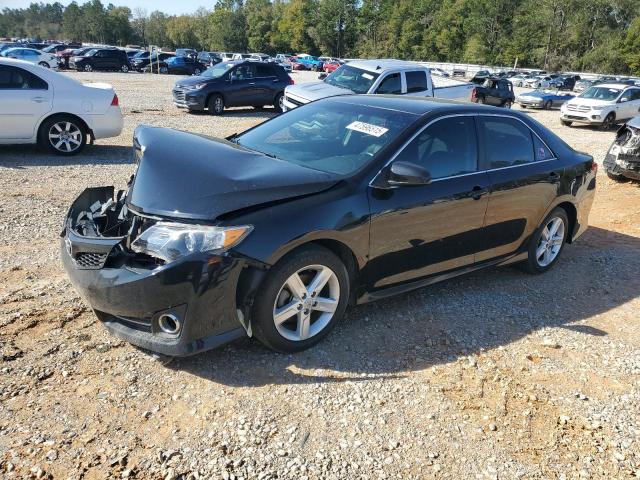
(306, 303)
(551, 241)
(65, 136)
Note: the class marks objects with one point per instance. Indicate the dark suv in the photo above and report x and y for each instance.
(233, 84)
(142, 59)
(101, 59)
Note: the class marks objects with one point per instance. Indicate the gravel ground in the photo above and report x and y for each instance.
(493, 375)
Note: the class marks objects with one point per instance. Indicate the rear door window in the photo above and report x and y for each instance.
(390, 85)
(264, 71)
(507, 142)
(416, 81)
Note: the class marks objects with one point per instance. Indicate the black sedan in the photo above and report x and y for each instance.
(177, 66)
(233, 84)
(273, 232)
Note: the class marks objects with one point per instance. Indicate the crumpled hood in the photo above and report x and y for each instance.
(184, 175)
(316, 90)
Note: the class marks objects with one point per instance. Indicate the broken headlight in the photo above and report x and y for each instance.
(170, 241)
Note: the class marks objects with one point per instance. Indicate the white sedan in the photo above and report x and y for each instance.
(32, 55)
(38, 105)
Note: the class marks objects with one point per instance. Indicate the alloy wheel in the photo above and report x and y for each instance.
(88, 68)
(218, 105)
(65, 136)
(306, 303)
(550, 243)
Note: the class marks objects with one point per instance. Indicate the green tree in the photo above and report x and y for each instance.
(259, 15)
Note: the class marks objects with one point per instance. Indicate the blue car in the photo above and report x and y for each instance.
(543, 99)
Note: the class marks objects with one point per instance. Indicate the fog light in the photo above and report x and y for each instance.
(595, 117)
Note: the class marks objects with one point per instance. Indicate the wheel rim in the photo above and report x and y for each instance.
(87, 68)
(65, 137)
(550, 243)
(125, 69)
(196, 72)
(281, 102)
(306, 303)
(607, 122)
(218, 105)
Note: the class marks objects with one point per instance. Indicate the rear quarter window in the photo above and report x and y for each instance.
(416, 81)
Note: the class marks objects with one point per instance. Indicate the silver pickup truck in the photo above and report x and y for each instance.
(377, 76)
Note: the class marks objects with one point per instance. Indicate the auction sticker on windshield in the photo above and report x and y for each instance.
(367, 128)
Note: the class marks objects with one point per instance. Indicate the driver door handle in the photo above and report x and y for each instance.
(477, 192)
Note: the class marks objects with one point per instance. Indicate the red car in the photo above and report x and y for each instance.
(330, 67)
(295, 65)
(64, 55)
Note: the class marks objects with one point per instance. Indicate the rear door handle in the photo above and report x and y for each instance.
(477, 192)
(554, 177)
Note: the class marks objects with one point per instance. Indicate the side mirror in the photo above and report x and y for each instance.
(623, 99)
(233, 78)
(322, 76)
(406, 173)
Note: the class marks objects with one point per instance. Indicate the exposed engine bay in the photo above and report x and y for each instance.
(623, 158)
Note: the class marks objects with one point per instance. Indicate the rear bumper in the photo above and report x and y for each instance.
(108, 125)
(198, 290)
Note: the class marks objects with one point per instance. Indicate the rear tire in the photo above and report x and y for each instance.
(215, 104)
(547, 105)
(124, 69)
(507, 104)
(566, 123)
(547, 242)
(163, 70)
(63, 135)
(197, 72)
(307, 323)
(278, 103)
(480, 100)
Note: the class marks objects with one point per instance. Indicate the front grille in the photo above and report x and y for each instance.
(179, 96)
(295, 102)
(578, 108)
(90, 260)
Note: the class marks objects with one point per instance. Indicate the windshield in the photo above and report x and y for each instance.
(601, 93)
(49, 49)
(351, 78)
(330, 136)
(217, 70)
(90, 53)
(141, 55)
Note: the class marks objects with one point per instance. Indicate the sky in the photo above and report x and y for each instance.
(172, 7)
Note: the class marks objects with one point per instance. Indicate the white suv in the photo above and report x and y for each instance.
(602, 105)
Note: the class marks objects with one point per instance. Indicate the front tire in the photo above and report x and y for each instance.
(617, 178)
(215, 104)
(547, 105)
(547, 242)
(88, 68)
(566, 123)
(301, 300)
(124, 69)
(63, 135)
(608, 121)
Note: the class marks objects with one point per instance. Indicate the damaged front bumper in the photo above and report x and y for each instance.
(623, 158)
(178, 308)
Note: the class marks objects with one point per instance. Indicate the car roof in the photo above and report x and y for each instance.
(384, 64)
(415, 105)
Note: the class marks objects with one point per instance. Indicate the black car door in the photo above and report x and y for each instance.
(99, 60)
(525, 178)
(417, 231)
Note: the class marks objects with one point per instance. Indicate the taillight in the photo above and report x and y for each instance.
(115, 102)
(473, 94)
(291, 82)
(594, 167)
